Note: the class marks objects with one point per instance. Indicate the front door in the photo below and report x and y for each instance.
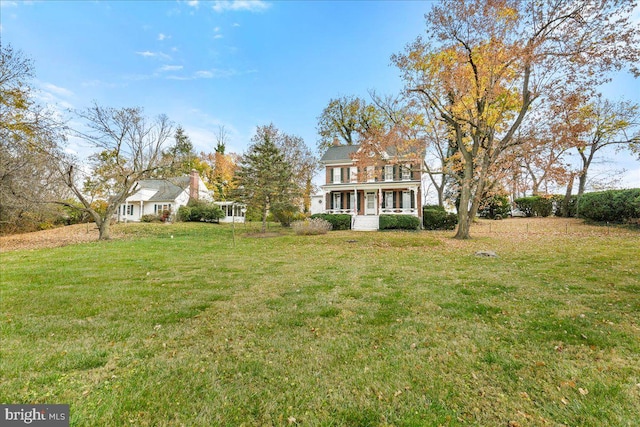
(370, 204)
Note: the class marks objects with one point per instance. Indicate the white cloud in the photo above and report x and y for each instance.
(235, 24)
(162, 37)
(240, 5)
(204, 74)
(171, 68)
(216, 29)
(57, 90)
(193, 3)
(158, 55)
(218, 36)
(214, 73)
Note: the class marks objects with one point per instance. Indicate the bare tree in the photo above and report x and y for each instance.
(129, 149)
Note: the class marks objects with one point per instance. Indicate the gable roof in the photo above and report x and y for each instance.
(163, 190)
(338, 153)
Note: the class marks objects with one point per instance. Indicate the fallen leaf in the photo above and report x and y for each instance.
(291, 420)
(583, 391)
(564, 401)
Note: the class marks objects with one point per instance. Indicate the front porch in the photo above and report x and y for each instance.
(373, 202)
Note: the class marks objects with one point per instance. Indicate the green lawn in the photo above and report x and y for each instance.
(345, 329)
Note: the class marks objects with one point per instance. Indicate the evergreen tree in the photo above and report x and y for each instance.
(265, 178)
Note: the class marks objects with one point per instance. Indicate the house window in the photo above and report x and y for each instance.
(337, 201)
(406, 199)
(370, 174)
(353, 173)
(406, 173)
(337, 175)
(388, 173)
(388, 199)
(159, 209)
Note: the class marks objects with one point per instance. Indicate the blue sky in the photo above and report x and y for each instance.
(237, 64)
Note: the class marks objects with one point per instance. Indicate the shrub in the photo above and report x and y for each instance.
(284, 213)
(611, 206)
(337, 221)
(151, 218)
(558, 201)
(200, 211)
(535, 205)
(310, 227)
(399, 222)
(495, 207)
(434, 217)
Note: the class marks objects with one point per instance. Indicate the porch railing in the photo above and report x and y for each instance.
(399, 211)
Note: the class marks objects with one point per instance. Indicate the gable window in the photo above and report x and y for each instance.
(406, 173)
(337, 175)
(388, 173)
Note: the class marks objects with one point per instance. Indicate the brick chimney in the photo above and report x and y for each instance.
(336, 142)
(194, 182)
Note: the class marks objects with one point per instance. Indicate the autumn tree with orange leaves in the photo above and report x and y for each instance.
(483, 64)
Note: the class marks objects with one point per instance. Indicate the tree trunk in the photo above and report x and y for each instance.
(265, 212)
(104, 230)
(564, 209)
(464, 220)
(582, 182)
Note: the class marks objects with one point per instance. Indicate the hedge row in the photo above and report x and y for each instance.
(611, 206)
(337, 221)
(535, 205)
(434, 217)
(399, 222)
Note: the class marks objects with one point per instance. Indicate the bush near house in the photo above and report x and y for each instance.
(200, 211)
(434, 217)
(535, 205)
(399, 222)
(610, 206)
(337, 221)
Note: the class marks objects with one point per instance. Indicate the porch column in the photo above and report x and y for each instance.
(355, 200)
(415, 201)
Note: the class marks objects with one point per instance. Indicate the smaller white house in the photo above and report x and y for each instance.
(163, 197)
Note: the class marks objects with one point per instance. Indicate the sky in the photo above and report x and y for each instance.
(238, 64)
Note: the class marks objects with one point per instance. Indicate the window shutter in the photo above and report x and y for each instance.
(395, 199)
(413, 203)
(358, 201)
(396, 176)
(331, 200)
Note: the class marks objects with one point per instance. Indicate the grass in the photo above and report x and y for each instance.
(343, 329)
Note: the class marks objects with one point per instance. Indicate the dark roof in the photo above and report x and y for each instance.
(339, 152)
(166, 189)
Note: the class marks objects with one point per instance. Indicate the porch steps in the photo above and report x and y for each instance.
(365, 223)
